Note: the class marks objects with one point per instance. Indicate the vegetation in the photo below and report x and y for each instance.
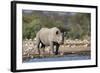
(73, 25)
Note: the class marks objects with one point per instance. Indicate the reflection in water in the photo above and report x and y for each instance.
(70, 57)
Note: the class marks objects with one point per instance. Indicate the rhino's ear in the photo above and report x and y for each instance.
(57, 32)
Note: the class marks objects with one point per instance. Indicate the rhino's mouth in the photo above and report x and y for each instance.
(60, 43)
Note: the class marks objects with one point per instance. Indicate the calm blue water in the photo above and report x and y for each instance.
(64, 58)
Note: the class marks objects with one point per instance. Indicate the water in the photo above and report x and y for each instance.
(64, 58)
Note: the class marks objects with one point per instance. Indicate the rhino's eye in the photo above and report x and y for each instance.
(57, 32)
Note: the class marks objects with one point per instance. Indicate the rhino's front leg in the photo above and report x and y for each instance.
(57, 49)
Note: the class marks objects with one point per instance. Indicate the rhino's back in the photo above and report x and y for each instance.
(44, 35)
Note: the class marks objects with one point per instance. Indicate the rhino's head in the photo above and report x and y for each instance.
(58, 36)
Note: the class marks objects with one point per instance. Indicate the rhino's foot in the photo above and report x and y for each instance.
(56, 53)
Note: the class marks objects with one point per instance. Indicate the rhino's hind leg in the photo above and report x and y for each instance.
(38, 45)
(43, 47)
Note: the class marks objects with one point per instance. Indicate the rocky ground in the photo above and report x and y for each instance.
(69, 47)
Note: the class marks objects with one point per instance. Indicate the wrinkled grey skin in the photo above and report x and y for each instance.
(49, 37)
